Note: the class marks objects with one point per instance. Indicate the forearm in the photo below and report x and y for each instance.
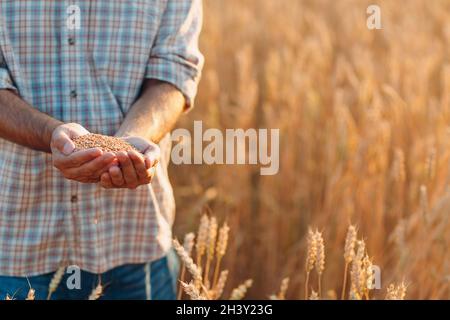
(22, 124)
(155, 113)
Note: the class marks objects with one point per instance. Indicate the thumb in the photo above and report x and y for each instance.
(152, 157)
(63, 143)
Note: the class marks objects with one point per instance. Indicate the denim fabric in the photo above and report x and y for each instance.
(156, 280)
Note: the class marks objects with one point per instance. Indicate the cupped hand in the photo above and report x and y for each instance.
(84, 165)
(135, 168)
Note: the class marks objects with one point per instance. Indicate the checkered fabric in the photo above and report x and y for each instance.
(84, 61)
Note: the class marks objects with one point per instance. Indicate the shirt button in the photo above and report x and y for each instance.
(71, 41)
(74, 199)
(73, 94)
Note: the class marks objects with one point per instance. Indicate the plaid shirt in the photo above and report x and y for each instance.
(86, 64)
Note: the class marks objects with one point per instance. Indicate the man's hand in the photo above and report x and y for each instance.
(84, 165)
(136, 168)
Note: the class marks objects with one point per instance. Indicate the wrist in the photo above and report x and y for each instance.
(50, 125)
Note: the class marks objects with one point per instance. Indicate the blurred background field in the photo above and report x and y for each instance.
(364, 128)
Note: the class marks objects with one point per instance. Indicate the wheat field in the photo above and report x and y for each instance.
(364, 140)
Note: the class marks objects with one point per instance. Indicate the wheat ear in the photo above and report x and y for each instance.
(192, 291)
(202, 237)
(218, 290)
(320, 260)
(349, 254)
(56, 280)
(211, 246)
(188, 244)
(240, 292)
(221, 248)
(311, 255)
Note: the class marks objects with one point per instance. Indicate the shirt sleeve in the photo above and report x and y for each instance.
(5, 78)
(175, 57)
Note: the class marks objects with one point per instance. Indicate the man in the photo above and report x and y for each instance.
(125, 68)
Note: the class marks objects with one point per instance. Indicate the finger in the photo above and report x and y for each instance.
(152, 157)
(128, 170)
(97, 166)
(139, 165)
(81, 157)
(116, 176)
(105, 181)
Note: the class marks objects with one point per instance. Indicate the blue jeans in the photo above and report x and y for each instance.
(156, 281)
